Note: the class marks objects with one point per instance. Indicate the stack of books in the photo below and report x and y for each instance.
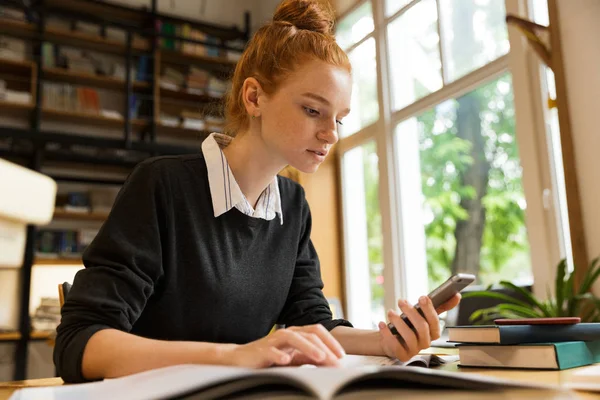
(553, 347)
(47, 315)
(12, 49)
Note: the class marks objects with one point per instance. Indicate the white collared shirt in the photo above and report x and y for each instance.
(224, 189)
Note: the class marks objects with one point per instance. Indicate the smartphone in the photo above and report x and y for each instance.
(440, 295)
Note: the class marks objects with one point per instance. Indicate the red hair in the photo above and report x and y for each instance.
(301, 30)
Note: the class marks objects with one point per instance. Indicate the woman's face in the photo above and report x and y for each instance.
(300, 120)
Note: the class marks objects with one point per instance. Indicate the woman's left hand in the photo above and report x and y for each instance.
(426, 328)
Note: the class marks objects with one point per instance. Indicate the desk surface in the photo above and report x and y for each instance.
(550, 377)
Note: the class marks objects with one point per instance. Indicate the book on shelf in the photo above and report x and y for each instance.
(204, 381)
(13, 96)
(12, 48)
(47, 315)
(554, 356)
(518, 334)
(63, 96)
(65, 243)
(12, 13)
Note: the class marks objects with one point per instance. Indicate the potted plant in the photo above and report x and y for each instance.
(568, 301)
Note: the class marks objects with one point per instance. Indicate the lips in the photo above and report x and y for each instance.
(322, 153)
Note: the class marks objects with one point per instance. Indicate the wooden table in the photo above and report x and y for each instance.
(550, 377)
(7, 388)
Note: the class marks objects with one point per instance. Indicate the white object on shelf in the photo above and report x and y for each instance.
(27, 198)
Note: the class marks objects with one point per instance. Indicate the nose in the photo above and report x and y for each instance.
(329, 133)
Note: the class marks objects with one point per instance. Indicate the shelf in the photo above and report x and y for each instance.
(177, 57)
(71, 38)
(104, 9)
(64, 75)
(35, 335)
(9, 336)
(83, 216)
(89, 118)
(19, 28)
(57, 261)
(41, 335)
(15, 67)
(183, 132)
(186, 96)
(15, 109)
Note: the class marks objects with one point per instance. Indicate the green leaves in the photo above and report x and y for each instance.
(568, 301)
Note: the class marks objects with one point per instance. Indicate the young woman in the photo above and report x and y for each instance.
(202, 255)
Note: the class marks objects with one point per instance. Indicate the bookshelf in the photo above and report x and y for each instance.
(16, 336)
(80, 216)
(136, 132)
(42, 261)
(63, 75)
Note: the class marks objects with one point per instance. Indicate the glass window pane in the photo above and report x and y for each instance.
(473, 34)
(355, 26)
(392, 6)
(364, 104)
(415, 66)
(363, 238)
(473, 205)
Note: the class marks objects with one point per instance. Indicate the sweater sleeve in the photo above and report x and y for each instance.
(122, 265)
(306, 304)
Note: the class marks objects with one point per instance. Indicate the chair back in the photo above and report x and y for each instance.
(63, 291)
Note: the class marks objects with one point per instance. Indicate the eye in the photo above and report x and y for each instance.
(339, 122)
(311, 111)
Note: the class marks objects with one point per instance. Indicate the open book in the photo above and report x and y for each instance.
(214, 382)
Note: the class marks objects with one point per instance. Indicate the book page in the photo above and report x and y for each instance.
(585, 378)
(420, 360)
(155, 384)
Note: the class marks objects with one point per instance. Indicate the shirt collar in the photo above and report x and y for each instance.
(224, 189)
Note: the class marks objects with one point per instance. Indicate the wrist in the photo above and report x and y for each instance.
(224, 353)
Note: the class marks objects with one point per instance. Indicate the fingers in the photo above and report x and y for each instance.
(278, 357)
(418, 322)
(308, 341)
(327, 338)
(410, 338)
(450, 304)
(431, 317)
(393, 342)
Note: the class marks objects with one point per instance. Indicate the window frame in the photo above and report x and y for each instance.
(540, 219)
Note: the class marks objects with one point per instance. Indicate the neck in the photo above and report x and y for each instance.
(253, 165)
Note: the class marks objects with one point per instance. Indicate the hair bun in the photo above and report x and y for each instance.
(312, 15)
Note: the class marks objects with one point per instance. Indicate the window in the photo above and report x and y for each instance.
(355, 26)
(471, 195)
(364, 238)
(414, 54)
(473, 34)
(355, 36)
(447, 159)
(364, 104)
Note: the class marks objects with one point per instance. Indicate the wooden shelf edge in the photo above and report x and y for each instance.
(80, 216)
(42, 261)
(13, 105)
(9, 336)
(34, 335)
(25, 64)
(89, 79)
(41, 335)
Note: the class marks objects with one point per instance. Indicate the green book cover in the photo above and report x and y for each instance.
(577, 354)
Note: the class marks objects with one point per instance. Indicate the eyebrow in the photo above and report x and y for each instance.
(322, 99)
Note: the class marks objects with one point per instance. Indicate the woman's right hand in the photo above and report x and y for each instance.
(297, 345)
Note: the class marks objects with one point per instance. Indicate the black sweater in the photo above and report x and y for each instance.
(164, 267)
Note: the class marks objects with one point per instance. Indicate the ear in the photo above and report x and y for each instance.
(252, 95)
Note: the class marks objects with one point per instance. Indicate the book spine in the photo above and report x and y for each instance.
(518, 334)
(577, 354)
